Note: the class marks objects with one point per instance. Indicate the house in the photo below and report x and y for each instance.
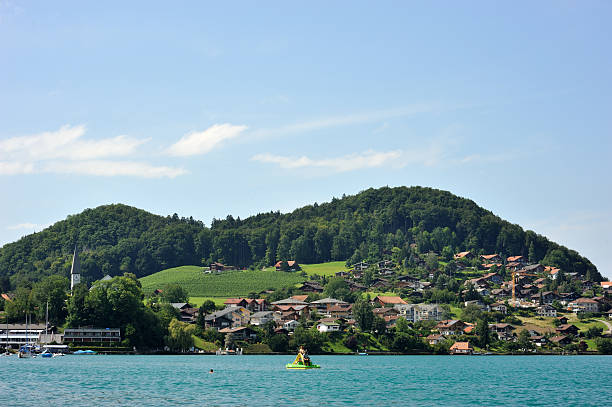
(583, 305)
(92, 335)
(491, 258)
(240, 332)
(387, 301)
(545, 297)
(235, 302)
(606, 286)
(228, 317)
(561, 340)
(517, 259)
(461, 348)
(311, 287)
(261, 317)
(187, 312)
(385, 312)
(514, 265)
(353, 286)
(256, 304)
(546, 311)
(450, 327)
(301, 297)
(499, 307)
(7, 297)
(554, 273)
(435, 339)
(562, 320)
(533, 268)
(218, 267)
(292, 265)
(328, 326)
(464, 255)
(324, 304)
(419, 312)
(478, 303)
(380, 283)
(494, 278)
(361, 266)
(340, 311)
(290, 325)
(567, 330)
(501, 328)
(342, 274)
(538, 340)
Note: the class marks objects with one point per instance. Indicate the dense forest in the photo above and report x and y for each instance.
(115, 239)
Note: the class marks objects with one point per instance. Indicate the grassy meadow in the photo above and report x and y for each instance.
(234, 283)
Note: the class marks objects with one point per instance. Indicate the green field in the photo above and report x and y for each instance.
(322, 269)
(222, 285)
(198, 301)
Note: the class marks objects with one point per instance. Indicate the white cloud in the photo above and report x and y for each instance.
(66, 151)
(202, 142)
(23, 226)
(357, 161)
(113, 168)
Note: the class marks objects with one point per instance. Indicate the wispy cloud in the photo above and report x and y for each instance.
(66, 151)
(20, 226)
(197, 143)
(351, 162)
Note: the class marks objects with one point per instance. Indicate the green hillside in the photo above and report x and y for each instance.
(116, 239)
(227, 284)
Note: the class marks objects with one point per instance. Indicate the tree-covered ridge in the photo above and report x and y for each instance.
(118, 238)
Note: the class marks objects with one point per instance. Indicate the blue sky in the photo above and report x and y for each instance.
(207, 110)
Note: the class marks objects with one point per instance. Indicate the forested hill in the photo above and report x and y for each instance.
(416, 220)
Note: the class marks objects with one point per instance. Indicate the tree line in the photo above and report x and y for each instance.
(117, 239)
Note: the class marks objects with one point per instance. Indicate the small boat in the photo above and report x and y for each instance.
(85, 352)
(46, 354)
(302, 361)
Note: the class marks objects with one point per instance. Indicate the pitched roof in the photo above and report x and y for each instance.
(389, 299)
(289, 301)
(515, 258)
(300, 297)
(583, 300)
(461, 255)
(489, 256)
(461, 346)
(606, 284)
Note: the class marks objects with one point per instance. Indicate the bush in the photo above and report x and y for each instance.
(279, 343)
(604, 346)
(257, 348)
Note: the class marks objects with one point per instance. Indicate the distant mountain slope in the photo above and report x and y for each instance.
(119, 238)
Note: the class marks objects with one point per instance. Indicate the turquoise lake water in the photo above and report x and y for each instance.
(342, 380)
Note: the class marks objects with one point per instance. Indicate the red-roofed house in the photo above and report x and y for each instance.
(607, 286)
(583, 305)
(461, 348)
(464, 255)
(491, 258)
(385, 301)
(292, 265)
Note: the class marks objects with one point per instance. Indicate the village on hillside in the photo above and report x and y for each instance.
(468, 304)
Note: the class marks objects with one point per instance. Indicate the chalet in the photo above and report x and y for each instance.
(328, 326)
(323, 305)
(514, 265)
(583, 305)
(301, 297)
(501, 328)
(311, 287)
(353, 286)
(292, 265)
(606, 286)
(385, 264)
(461, 348)
(407, 278)
(517, 259)
(435, 339)
(533, 268)
(380, 283)
(450, 327)
(491, 258)
(499, 307)
(391, 320)
(240, 332)
(289, 301)
(487, 266)
(464, 255)
(501, 292)
(235, 302)
(546, 311)
(494, 278)
(218, 267)
(340, 311)
(187, 312)
(546, 297)
(292, 311)
(554, 273)
(561, 340)
(361, 266)
(567, 330)
(386, 301)
(290, 325)
(343, 274)
(587, 284)
(385, 312)
(538, 340)
(562, 320)
(257, 304)
(261, 317)
(228, 317)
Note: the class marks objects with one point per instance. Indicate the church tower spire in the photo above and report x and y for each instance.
(75, 270)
